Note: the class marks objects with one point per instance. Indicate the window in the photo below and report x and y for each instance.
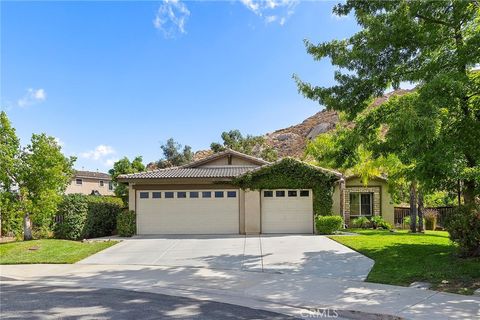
(280, 193)
(304, 193)
(292, 193)
(194, 194)
(361, 204)
(181, 194)
(268, 194)
(218, 194)
(110, 185)
(101, 183)
(143, 195)
(78, 181)
(156, 195)
(231, 194)
(169, 195)
(206, 194)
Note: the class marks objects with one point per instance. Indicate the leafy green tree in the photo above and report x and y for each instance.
(173, 155)
(249, 144)
(9, 151)
(43, 175)
(124, 166)
(435, 130)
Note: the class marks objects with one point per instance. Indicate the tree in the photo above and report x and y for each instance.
(435, 130)
(9, 151)
(42, 177)
(173, 155)
(252, 145)
(124, 166)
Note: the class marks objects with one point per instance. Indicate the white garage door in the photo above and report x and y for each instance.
(187, 212)
(287, 211)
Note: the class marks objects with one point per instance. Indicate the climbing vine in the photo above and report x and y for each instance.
(290, 173)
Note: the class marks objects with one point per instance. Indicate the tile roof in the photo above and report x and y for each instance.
(180, 172)
(92, 175)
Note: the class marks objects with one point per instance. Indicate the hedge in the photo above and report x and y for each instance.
(73, 211)
(100, 219)
(126, 223)
(463, 225)
(328, 224)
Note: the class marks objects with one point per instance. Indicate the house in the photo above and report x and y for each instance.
(91, 182)
(204, 197)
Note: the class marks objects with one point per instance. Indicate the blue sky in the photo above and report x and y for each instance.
(114, 79)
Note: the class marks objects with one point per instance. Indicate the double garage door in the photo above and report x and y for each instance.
(188, 212)
(218, 211)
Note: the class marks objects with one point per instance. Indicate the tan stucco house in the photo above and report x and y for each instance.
(200, 198)
(91, 182)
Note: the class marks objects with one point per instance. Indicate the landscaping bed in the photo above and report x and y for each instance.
(49, 251)
(402, 258)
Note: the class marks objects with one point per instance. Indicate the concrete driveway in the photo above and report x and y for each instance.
(293, 254)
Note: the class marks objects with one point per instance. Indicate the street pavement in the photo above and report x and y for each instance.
(27, 301)
(284, 293)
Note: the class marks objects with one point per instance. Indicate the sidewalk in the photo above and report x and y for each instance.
(290, 294)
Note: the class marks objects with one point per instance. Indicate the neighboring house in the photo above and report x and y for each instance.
(90, 182)
(199, 198)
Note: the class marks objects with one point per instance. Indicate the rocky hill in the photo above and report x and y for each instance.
(291, 141)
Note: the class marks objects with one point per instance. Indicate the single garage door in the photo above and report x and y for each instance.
(287, 211)
(187, 212)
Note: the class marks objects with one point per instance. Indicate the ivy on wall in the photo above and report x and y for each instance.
(290, 173)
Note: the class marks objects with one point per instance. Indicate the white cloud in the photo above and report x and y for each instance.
(110, 162)
(270, 19)
(98, 153)
(272, 10)
(59, 142)
(171, 18)
(31, 97)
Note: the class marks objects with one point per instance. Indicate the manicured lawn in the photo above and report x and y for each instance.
(402, 258)
(49, 251)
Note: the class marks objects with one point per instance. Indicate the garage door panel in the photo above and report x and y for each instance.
(188, 215)
(287, 214)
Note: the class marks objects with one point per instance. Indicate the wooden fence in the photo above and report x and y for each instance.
(400, 213)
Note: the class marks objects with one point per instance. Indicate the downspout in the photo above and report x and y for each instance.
(346, 220)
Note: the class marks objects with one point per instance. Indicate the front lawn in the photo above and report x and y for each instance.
(49, 251)
(402, 258)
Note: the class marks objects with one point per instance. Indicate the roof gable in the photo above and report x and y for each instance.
(227, 158)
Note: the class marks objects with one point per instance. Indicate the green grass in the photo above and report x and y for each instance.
(402, 258)
(49, 251)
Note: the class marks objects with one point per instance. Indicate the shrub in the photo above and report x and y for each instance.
(102, 216)
(328, 224)
(463, 224)
(379, 223)
(430, 219)
(361, 222)
(126, 223)
(72, 213)
(406, 221)
(12, 216)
